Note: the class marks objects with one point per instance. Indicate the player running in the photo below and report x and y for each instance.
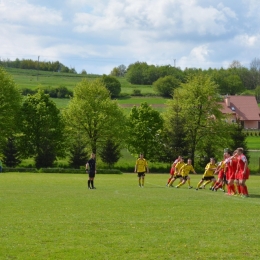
(173, 170)
(208, 175)
(185, 170)
(177, 173)
(221, 170)
(231, 167)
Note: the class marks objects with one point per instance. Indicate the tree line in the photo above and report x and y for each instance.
(192, 125)
(236, 79)
(54, 66)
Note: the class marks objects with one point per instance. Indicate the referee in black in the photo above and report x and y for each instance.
(91, 169)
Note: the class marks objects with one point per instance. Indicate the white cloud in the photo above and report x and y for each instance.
(246, 40)
(167, 15)
(20, 11)
(106, 33)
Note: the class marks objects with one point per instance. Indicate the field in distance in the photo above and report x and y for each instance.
(32, 79)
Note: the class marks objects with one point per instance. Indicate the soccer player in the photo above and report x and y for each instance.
(220, 183)
(242, 171)
(208, 175)
(185, 170)
(177, 173)
(173, 170)
(231, 167)
(91, 169)
(141, 167)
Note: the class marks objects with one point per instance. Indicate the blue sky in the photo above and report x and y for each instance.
(100, 35)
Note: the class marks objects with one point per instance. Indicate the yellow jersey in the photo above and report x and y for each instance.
(141, 165)
(185, 169)
(177, 167)
(209, 170)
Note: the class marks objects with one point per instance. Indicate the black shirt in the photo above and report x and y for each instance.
(92, 165)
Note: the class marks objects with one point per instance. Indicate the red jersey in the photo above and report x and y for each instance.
(173, 166)
(241, 162)
(228, 168)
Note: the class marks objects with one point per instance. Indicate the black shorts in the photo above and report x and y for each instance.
(185, 177)
(91, 174)
(140, 174)
(207, 178)
(177, 176)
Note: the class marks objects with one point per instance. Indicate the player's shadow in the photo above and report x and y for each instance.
(254, 196)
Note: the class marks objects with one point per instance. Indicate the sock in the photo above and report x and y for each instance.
(189, 182)
(214, 185)
(207, 182)
(89, 183)
(92, 183)
(242, 190)
(198, 185)
(239, 189)
(170, 183)
(139, 182)
(228, 189)
(217, 185)
(169, 180)
(143, 182)
(180, 184)
(232, 189)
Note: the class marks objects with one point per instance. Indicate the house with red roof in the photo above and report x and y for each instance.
(243, 108)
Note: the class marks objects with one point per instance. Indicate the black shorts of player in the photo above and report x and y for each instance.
(185, 178)
(207, 178)
(140, 174)
(225, 179)
(91, 174)
(177, 176)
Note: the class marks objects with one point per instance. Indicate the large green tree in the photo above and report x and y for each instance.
(198, 100)
(174, 132)
(164, 86)
(112, 85)
(42, 130)
(238, 138)
(144, 128)
(10, 102)
(11, 155)
(110, 153)
(92, 112)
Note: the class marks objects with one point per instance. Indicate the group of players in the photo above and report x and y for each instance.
(232, 172)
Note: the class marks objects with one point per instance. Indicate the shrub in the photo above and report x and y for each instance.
(8, 169)
(137, 92)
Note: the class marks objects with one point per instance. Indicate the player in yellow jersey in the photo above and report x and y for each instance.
(208, 175)
(185, 170)
(141, 167)
(177, 173)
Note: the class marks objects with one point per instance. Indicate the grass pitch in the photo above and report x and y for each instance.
(55, 216)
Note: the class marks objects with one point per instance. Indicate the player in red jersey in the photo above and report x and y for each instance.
(242, 171)
(232, 174)
(173, 169)
(231, 166)
(221, 170)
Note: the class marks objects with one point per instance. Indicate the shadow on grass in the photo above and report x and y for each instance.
(254, 196)
(123, 98)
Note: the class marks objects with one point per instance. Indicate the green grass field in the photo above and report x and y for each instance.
(54, 216)
(253, 142)
(33, 78)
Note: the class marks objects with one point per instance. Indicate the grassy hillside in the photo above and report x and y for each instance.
(32, 79)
